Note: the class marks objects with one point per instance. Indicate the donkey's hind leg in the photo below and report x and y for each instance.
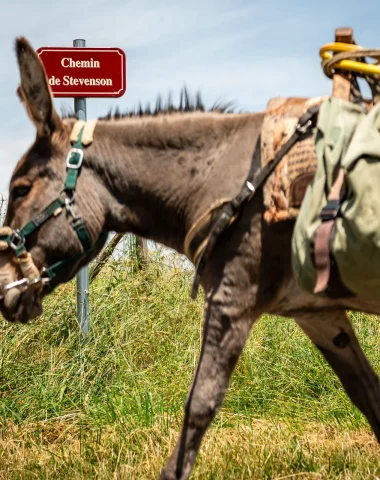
(332, 333)
(225, 333)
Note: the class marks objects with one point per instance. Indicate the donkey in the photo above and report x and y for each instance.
(154, 176)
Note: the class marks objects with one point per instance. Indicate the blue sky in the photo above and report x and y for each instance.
(241, 51)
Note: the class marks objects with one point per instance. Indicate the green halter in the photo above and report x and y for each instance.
(16, 240)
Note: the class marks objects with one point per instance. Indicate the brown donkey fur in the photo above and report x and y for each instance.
(154, 175)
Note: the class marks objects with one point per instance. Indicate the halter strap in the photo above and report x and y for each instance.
(74, 162)
(15, 239)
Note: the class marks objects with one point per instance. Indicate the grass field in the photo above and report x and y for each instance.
(111, 407)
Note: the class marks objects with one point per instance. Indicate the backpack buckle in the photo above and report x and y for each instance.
(330, 211)
(303, 128)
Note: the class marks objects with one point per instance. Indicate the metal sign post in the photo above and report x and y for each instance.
(82, 73)
(83, 301)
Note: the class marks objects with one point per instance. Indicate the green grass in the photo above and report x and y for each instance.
(111, 407)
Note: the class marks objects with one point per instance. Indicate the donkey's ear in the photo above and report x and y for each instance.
(34, 90)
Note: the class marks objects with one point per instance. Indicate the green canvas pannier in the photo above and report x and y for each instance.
(336, 239)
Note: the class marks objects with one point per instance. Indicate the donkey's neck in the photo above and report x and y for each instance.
(161, 173)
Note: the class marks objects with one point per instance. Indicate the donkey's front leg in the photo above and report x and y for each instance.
(224, 336)
(332, 333)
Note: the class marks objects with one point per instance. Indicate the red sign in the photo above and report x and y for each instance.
(85, 72)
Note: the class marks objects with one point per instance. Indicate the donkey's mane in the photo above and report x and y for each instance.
(186, 104)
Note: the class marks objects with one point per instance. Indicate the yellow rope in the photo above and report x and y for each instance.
(326, 53)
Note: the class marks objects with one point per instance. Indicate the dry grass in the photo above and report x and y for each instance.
(111, 407)
(64, 449)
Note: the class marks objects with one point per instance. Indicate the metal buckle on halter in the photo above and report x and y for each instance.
(74, 166)
(68, 196)
(69, 200)
(69, 208)
(16, 240)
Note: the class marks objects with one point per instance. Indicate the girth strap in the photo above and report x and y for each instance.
(228, 212)
(196, 237)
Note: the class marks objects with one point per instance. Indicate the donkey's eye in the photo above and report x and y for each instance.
(21, 191)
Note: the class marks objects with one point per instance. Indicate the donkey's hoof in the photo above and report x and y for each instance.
(165, 475)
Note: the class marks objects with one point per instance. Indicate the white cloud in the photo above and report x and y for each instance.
(242, 50)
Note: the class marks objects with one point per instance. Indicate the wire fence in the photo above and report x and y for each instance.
(3, 207)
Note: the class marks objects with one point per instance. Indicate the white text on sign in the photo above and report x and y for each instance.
(70, 63)
(68, 80)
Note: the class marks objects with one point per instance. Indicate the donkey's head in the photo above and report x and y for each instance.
(44, 208)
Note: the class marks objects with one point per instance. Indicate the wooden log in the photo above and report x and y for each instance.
(102, 259)
(342, 80)
(141, 251)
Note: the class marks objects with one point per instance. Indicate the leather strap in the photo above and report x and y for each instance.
(229, 211)
(73, 163)
(342, 82)
(323, 234)
(88, 131)
(196, 235)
